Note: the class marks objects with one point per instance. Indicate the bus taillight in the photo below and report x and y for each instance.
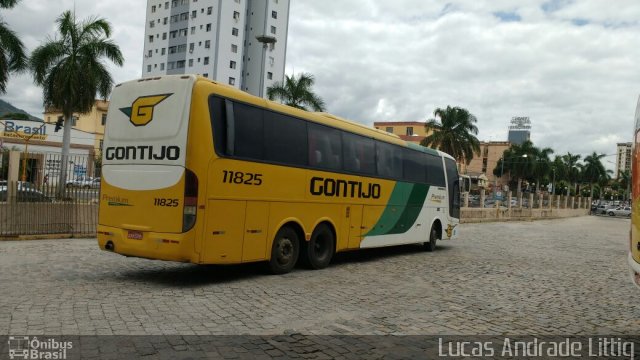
(190, 200)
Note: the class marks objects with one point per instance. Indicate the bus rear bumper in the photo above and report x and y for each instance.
(151, 245)
(634, 270)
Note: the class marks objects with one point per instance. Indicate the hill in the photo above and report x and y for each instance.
(6, 108)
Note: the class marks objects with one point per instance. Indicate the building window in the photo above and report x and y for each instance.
(209, 10)
(173, 34)
(194, 13)
(234, 48)
(389, 129)
(274, 14)
(206, 60)
(232, 64)
(208, 27)
(162, 66)
(232, 81)
(184, 16)
(273, 29)
(270, 75)
(190, 62)
(207, 44)
(236, 15)
(164, 36)
(166, 5)
(152, 23)
(150, 38)
(180, 64)
(171, 65)
(148, 68)
(182, 48)
(191, 47)
(172, 49)
(163, 51)
(150, 53)
(234, 32)
(153, 9)
(205, 75)
(104, 119)
(409, 131)
(183, 32)
(193, 30)
(74, 120)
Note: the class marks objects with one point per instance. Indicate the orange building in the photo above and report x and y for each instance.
(413, 131)
(92, 122)
(490, 154)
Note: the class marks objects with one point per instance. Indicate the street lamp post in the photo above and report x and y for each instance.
(265, 40)
(553, 182)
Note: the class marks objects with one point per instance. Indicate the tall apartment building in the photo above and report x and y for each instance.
(623, 158)
(242, 43)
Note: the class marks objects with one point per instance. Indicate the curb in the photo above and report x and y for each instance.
(45, 237)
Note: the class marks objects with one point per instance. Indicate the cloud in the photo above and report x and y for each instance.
(568, 65)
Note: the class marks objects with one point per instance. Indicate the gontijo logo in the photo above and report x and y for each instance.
(141, 111)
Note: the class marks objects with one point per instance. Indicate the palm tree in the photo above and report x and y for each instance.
(296, 92)
(572, 168)
(593, 170)
(454, 134)
(624, 179)
(542, 165)
(71, 71)
(12, 52)
(519, 161)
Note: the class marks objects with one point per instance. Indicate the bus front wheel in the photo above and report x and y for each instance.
(284, 252)
(318, 251)
(433, 238)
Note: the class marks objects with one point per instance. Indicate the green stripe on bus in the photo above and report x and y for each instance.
(422, 148)
(393, 221)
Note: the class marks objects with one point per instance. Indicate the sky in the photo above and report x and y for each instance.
(570, 66)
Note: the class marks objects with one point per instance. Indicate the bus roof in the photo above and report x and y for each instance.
(318, 117)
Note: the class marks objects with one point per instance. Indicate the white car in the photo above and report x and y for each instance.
(620, 211)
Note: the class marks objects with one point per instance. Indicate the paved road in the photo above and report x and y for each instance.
(547, 277)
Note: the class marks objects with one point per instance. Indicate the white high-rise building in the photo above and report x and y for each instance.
(623, 158)
(238, 42)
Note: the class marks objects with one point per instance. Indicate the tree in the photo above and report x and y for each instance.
(542, 165)
(624, 178)
(454, 134)
(593, 170)
(13, 57)
(297, 93)
(71, 71)
(572, 168)
(519, 161)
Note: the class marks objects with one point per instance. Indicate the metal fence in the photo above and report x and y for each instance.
(36, 205)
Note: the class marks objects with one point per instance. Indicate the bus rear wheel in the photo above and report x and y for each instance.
(318, 251)
(284, 252)
(433, 238)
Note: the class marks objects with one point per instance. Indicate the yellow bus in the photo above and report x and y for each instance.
(634, 235)
(196, 171)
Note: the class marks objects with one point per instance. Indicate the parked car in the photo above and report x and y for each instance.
(603, 208)
(25, 195)
(84, 182)
(620, 211)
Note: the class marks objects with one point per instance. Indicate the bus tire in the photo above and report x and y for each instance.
(318, 251)
(433, 239)
(284, 251)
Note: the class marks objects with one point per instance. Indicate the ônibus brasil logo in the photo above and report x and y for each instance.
(141, 111)
(25, 347)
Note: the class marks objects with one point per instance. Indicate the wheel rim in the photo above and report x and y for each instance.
(285, 251)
